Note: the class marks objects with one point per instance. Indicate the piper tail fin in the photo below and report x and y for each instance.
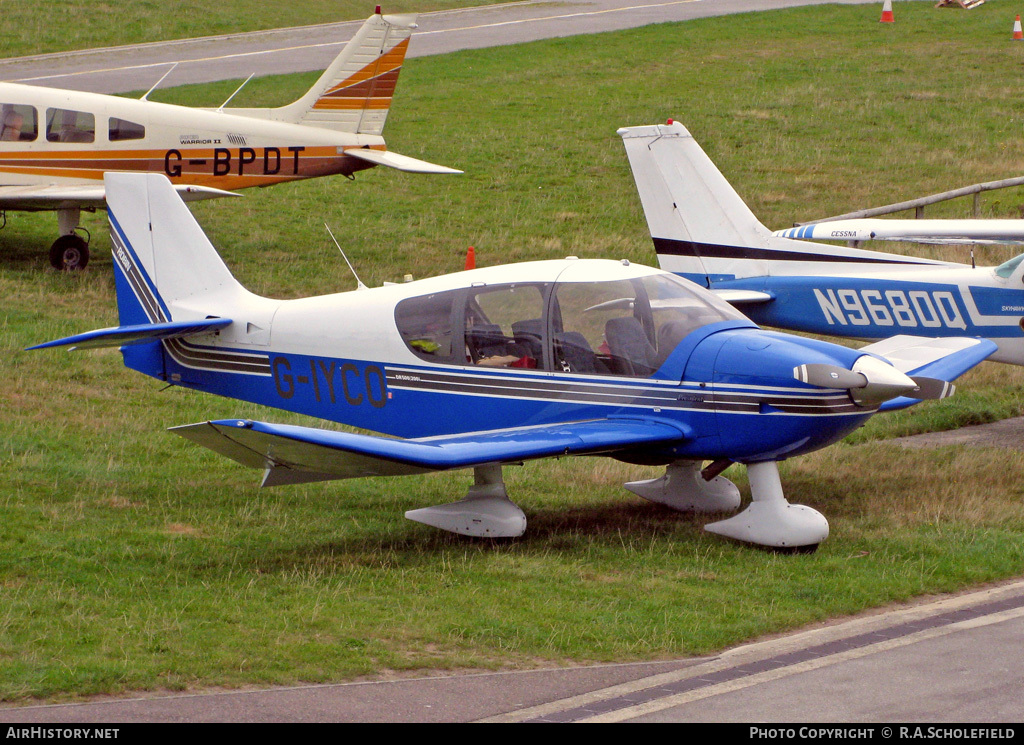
(354, 93)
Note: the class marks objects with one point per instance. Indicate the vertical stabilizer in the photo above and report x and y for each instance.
(161, 255)
(354, 93)
(689, 205)
(703, 230)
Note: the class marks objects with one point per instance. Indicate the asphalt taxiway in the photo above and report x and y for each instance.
(307, 48)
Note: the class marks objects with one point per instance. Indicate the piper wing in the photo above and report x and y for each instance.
(918, 231)
(292, 454)
(55, 196)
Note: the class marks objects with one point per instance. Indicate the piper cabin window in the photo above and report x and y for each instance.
(18, 123)
(66, 125)
(122, 129)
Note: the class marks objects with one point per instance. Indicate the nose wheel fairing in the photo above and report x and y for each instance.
(770, 520)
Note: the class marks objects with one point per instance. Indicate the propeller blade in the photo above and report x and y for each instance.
(829, 376)
(931, 388)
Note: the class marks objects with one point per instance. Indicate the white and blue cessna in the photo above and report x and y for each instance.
(493, 366)
(702, 230)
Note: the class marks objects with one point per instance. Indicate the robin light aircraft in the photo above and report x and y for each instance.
(55, 145)
(493, 366)
(702, 230)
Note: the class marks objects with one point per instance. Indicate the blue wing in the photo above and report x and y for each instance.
(294, 454)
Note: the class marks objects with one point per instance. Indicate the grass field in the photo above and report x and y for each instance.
(133, 561)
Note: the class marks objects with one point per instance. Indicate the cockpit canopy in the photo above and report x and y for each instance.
(578, 324)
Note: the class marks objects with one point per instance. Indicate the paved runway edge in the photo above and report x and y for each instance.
(762, 661)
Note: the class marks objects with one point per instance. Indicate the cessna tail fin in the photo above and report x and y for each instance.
(703, 230)
(685, 196)
(354, 93)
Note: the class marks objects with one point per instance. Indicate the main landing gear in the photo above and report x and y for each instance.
(486, 511)
(70, 251)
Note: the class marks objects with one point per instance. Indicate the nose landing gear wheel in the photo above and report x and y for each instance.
(69, 252)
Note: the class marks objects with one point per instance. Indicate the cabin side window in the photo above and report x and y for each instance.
(486, 326)
(504, 326)
(18, 123)
(66, 125)
(122, 129)
(425, 324)
(628, 327)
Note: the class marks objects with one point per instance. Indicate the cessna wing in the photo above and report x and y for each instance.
(930, 362)
(917, 231)
(49, 197)
(293, 454)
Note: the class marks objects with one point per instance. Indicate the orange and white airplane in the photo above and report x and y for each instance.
(55, 145)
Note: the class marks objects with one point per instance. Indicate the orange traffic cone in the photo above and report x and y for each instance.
(471, 258)
(887, 16)
(1017, 33)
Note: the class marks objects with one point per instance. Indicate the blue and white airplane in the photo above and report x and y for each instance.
(702, 230)
(493, 366)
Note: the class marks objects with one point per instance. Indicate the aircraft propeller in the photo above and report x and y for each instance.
(872, 381)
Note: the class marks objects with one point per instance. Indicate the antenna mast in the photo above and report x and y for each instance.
(359, 282)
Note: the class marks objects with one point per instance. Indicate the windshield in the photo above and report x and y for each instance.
(1006, 269)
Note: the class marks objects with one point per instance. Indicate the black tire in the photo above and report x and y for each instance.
(69, 252)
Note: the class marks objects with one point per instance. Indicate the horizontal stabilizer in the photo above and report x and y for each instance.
(122, 336)
(744, 297)
(918, 231)
(918, 355)
(191, 193)
(398, 162)
(292, 454)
